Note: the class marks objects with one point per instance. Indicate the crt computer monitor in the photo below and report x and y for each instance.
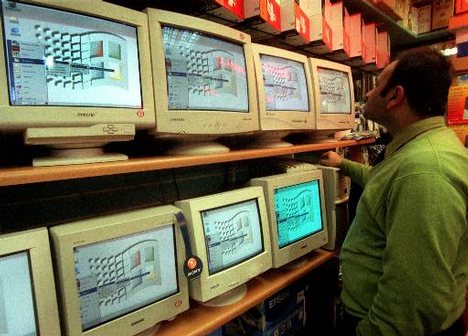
(28, 303)
(334, 95)
(296, 207)
(204, 84)
(285, 95)
(229, 233)
(74, 76)
(120, 274)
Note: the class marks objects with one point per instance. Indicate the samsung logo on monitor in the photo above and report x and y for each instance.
(86, 114)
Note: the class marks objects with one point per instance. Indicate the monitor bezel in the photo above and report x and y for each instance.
(66, 237)
(181, 122)
(15, 118)
(35, 243)
(284, 119)
(286, 254)
(331, 121)
(206, 286)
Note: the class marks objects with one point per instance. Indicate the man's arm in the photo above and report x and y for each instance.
(357, 171)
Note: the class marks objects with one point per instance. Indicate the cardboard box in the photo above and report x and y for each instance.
(281, 314)
(442, 10)
(388, 7)
(352, 36)
(313, 10)
(461, 6)
(368, 42)
(304, 31)
(420, 19)
(402, 8)
(277, 15)
(332, 29)
(457, 107)
(382, 54)
(301, 33)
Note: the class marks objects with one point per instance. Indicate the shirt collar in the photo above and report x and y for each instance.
(413, 131)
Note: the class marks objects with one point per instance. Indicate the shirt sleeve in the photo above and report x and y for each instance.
(357, 171)
(423, 260)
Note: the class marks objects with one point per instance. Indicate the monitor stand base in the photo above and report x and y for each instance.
(74, 156)
(296, 263)
(270, 139)
(196, 148)
(228, 298)
(150, 331)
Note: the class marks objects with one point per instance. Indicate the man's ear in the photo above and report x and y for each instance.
(396, 96)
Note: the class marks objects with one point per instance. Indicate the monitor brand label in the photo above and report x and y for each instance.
(86, 114)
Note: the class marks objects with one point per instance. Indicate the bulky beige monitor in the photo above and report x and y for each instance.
(204, 82)
(229, 233)
(74, 76)
(296, 208)
(120, 274)
(285, 94)
(334, 95)
(28, 303)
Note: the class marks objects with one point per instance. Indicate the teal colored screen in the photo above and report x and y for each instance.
(298, 212)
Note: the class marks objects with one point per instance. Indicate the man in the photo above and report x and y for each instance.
(405, 258)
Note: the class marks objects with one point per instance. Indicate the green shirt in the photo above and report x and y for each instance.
(405, 258)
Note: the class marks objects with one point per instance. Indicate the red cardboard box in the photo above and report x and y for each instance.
(352, 36)
(368, 42)
(442, 10)
(382, 54)
(457, 107)
(461, 6)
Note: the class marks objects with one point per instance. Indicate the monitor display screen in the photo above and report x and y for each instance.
(17, 308)
(60, 58)
(284, 84)
(120, 275)
(298, 212)
(335, 91)
(204, 72)
(232, 234)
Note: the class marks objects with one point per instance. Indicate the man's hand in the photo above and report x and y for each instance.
(330, 159)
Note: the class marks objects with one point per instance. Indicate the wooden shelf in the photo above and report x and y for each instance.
(26, 175)
(201, 320)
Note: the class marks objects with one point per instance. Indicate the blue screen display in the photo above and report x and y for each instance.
(298, 212)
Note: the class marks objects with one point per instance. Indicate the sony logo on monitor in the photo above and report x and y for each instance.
(86, 114)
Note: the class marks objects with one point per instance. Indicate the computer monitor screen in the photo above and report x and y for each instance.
(17, 316)
(284, 83)
(229, 233)
(204, 82)
(120, 275)
(75, 76)
(28, 303)
(285, 95)
(298, 212)
(204, 72)
(335, 94)
(232, 234)
(296, 207)
(56, 57)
